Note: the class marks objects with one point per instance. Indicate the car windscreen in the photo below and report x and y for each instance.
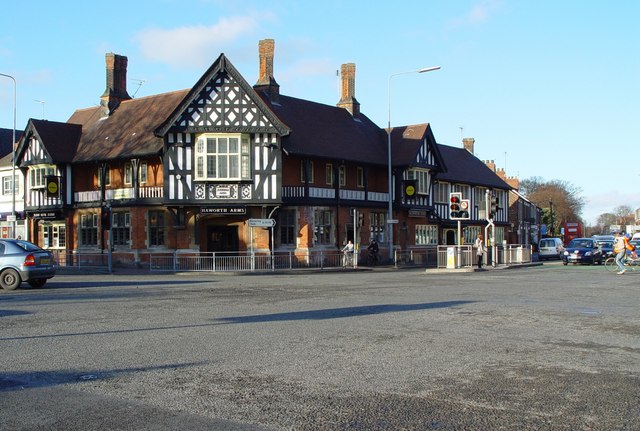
(581, 243)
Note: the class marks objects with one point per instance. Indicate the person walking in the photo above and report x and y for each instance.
(620, 247)
(479, 245)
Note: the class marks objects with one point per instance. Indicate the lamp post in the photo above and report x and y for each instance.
(13, 158)
(389, 168)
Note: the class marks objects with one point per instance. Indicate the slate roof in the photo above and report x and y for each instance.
(6, 135)
(465, 168)
(325, 131)
(129, 131)
(406, 142)
(60, 139)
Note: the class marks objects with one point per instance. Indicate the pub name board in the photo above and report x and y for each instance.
(223, 210)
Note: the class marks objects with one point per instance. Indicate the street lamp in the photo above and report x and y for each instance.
(389, 169)
(13, 158)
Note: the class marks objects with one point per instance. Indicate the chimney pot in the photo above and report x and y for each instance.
(266, 81)
(468, 144)
(348, 100)
(116, 91)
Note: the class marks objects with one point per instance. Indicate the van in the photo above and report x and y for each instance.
(550, 248)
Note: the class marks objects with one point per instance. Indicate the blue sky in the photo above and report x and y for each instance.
(547, 88)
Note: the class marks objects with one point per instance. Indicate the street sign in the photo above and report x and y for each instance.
(262, 222)
(392, 221)
(11, 217)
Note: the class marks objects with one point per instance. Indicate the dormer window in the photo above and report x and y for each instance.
(222, 157)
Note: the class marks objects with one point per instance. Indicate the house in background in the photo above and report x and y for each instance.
(11, 200)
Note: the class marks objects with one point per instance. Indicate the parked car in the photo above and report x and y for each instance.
(606, 248)
(22, 261)
(582, 250)
(550, 248)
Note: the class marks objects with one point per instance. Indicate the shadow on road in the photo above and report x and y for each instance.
(339, 313)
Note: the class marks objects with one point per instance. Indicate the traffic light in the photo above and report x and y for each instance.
(458, 207)
(464, 209)
(494, 206)
(105, 218)
(455, 199)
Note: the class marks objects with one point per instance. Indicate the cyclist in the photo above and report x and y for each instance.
(620, 247)
(348, 253)
(373, 252)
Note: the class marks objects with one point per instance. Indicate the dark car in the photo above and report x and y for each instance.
(606, 248)
(582, 250)
(22, 261)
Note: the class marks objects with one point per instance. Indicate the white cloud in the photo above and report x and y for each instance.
(479, 13)
(195, 46)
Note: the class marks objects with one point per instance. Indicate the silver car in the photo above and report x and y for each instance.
(22, 261)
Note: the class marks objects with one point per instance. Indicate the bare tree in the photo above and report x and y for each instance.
(560, 200)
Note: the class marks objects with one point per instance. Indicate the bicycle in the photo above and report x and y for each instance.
(630, 263)
(372, 259)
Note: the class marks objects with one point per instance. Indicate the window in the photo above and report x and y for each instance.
(287, 225)
(107, 181)
(426, 234)
(302, 174)
(89, 229)
(38, 174)
(143, 172)
(322, 227)
(121, 227)
(470, 233)
(360, 177)
(441, 192)
(464, 189)
(6, 185)
(329, 174)
(156, 228)
(422, 180)
(222, 157)
(128, 174)
(342, 173)
(377, 223)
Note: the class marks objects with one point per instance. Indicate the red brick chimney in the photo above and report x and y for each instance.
(266, 81)
(347, 99)
(116, 90)
(467, 143)
(491, 165)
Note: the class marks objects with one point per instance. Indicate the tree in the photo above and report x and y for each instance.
(624, 215)
(559, 200)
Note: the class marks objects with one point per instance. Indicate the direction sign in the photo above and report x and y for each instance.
(262, 222)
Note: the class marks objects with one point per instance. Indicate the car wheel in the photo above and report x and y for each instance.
(10, 279)
(38, 282)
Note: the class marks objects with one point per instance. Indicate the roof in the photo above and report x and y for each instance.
(319, 130)
(6, 135)
(60, 139)
(406, 142)
(128, 131)
(463, 167)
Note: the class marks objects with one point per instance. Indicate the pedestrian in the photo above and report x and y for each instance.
(620, 247)
(479, 245)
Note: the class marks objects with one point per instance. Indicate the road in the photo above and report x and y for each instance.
(542, 348)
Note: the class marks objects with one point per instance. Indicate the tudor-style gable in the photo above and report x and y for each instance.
(415, 158)
(44, 154)
(222, 143)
